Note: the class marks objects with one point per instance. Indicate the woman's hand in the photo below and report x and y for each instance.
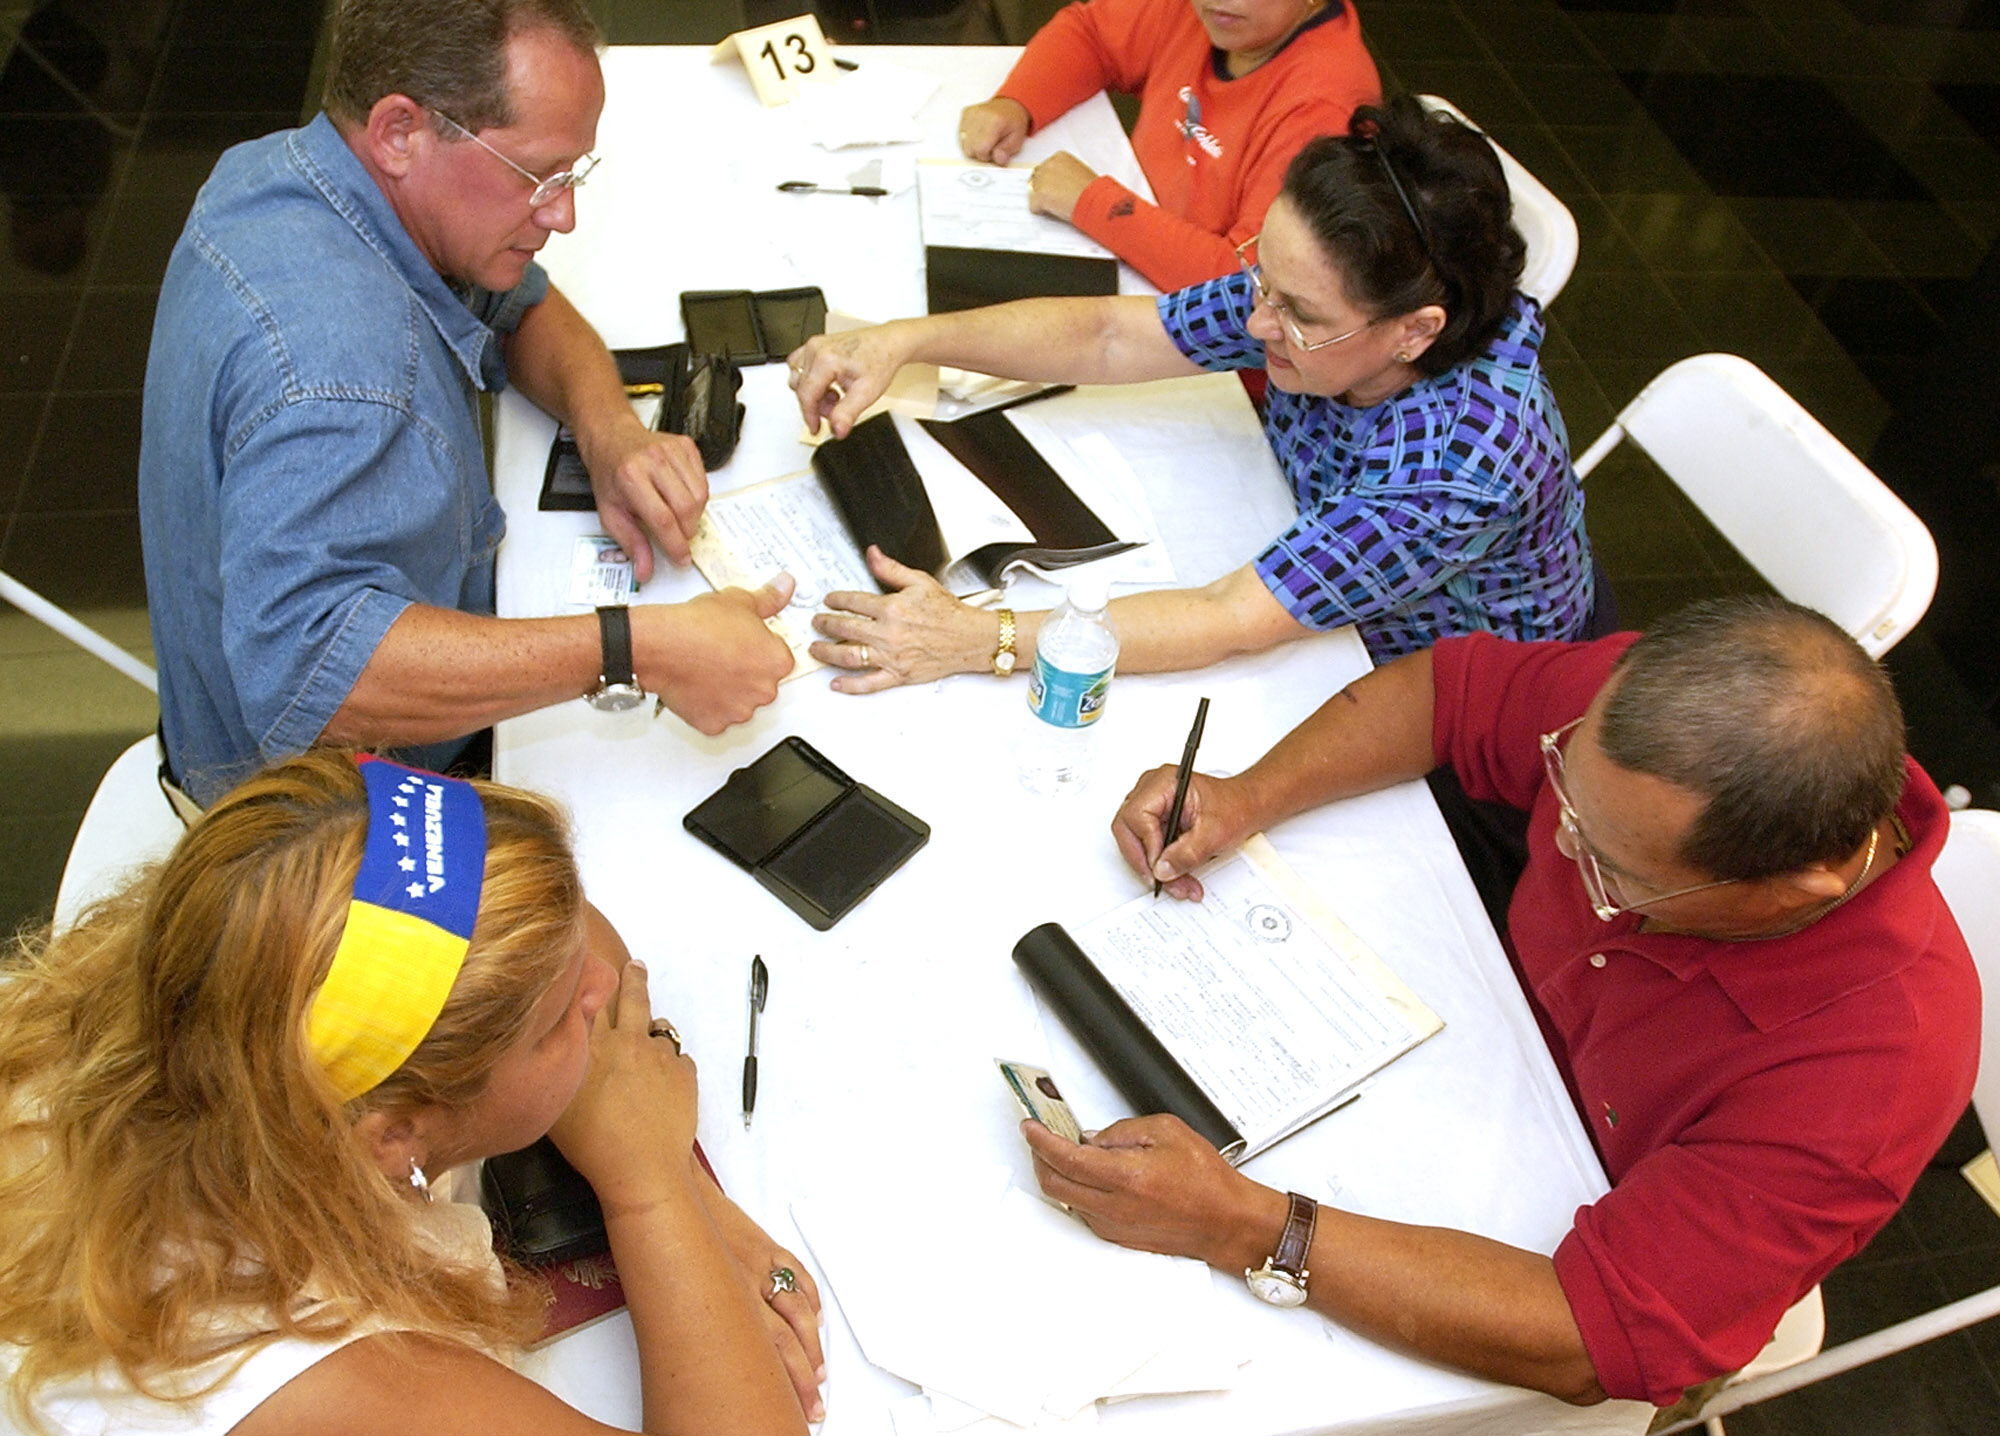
(790, 1317)
(993, 130)
(914, 635)
(1213, 819)
(837, 376)
(1057, 184)
(630, 1127)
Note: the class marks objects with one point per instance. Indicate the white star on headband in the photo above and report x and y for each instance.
(400, 801)
(402, 839)
(399, 820)
(407, 863)
(416, 890)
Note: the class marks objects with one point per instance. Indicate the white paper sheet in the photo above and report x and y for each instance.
(975, 206)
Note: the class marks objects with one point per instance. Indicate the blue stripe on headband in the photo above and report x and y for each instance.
(426, 848)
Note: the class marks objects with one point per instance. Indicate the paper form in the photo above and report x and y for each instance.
(975, 206)
(786, 524)
(1267, 1000)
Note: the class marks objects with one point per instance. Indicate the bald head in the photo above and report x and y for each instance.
(1775, 717)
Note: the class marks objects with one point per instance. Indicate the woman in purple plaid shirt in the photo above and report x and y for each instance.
(1407, 407)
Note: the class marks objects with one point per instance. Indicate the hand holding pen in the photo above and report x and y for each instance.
(1181, 776)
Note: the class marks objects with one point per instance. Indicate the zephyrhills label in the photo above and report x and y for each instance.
(1066, 699)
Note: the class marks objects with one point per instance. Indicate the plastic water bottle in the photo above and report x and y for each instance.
(1075, 655)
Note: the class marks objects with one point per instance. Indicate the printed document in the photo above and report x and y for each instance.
(975, 206)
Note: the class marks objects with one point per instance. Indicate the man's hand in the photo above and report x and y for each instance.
(1057, 184)
(650, 488)
(1151, 1183)
(711, 659)
(993, 130)
(837, 376)
(913, 634)
(1214, 818)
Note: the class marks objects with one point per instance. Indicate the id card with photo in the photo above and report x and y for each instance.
(600, 573)
(1036, 1093)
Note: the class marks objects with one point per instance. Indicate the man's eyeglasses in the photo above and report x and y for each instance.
(1278, 306)
(545, 189)
(1569, 835)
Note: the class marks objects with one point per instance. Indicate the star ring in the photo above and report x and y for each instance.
(783, 1279)
(660, 1027)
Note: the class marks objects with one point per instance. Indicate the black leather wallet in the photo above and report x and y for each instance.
(542, 1209)
(697, 398)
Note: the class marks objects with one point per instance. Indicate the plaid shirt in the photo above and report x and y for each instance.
(1451, 507)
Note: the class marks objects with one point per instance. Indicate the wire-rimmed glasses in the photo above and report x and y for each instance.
(547, 189)
(1278, 306)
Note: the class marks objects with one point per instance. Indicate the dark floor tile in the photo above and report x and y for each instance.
(1838, 394)
(150, 211)
(1655, 7)
(1682, 233)
(1920, 240)
(1627, 159)
(1743, 45)
(1772, 136)
(1434, 32)
(191, 133)
(1952, 168)
(1519, 37)
(1643, 602)
(1895, 1242)
(1577, 94)
(1757, 315)
(1626, 41)
(1587, 410)
(88, 460)
(78, 560)
(1949, 1217)
(1624, 318)
(1968, 1275)
(34, 334)
(114, 329)
(1936, 14)
(1977, 105)
(206, 78)
(20, 426)
(1885, 325)
(1809, 236)
(55, 774)
(1483, 93)
(244, 22)
(1640, 523)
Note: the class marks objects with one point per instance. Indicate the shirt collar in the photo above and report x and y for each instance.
(321, 155)
(1881, 931)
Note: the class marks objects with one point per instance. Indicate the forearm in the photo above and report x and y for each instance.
(1372, 734)
(440, 674)
(556, 359)
(705, 1362)
(1174, 629)
(1118, 340)
(1172, 252)
(1461, 1300)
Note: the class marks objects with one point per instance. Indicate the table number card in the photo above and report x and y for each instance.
(781, 55)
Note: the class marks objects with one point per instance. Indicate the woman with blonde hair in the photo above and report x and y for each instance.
(222, 1091)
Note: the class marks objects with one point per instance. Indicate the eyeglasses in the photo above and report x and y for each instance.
(1283, 310)
(1569, 834)
(545, 189)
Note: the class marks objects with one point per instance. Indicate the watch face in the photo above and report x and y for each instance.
(1003, 663)
(1279, 1288)
(617, 697)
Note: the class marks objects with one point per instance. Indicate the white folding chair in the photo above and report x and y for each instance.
(1968, 873)
(129, 821)
(1544, 221)
(1808, 515)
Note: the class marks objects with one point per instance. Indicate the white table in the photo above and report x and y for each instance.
(879, 1039)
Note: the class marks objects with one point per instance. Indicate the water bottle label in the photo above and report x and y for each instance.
(1065, 699)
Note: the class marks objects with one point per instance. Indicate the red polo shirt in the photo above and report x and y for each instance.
(1761, 1108)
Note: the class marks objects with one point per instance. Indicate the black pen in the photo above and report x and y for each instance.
(760, 988)
(1181, 782)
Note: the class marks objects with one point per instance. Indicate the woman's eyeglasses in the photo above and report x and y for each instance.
(1244, 257)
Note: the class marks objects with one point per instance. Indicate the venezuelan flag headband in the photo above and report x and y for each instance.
(408, 926)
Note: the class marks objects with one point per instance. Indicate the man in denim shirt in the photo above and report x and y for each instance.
(319, 527)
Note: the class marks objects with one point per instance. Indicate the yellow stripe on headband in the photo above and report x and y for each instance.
(409, 925)
(389, 979)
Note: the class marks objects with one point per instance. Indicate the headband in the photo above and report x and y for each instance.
(408, 925)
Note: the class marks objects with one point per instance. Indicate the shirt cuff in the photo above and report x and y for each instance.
(357, 634)
(1605, 1340)
(1093, 212)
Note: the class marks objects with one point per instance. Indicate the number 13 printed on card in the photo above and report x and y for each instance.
(780, 55)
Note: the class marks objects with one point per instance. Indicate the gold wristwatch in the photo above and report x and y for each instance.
(1003, 656)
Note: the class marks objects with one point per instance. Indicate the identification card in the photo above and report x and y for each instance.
(600, 573)
(1036, 1092)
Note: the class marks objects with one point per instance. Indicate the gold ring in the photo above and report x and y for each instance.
(660, 1027)
(864, 657)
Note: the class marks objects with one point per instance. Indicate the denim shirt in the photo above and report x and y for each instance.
(311, 462)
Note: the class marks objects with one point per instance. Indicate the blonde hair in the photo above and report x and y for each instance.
(170, 1150)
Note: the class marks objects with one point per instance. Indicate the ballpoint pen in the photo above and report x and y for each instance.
(760, 988)
(1181, 782)
(867, 191)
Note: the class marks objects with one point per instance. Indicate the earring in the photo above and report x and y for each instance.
(420, 1182)
(1401, 357)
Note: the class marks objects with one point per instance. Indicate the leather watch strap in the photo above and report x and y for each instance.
(1296, 1243)
(614, 629)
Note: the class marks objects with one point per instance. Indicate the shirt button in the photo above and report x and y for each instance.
(1597, 959)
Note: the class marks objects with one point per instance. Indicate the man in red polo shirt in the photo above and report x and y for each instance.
(1728, 931)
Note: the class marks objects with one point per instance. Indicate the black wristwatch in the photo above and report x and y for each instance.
(617, 689)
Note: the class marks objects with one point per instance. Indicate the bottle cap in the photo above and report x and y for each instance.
(1088, 592)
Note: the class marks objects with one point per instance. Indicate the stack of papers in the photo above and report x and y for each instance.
(1008, 1312)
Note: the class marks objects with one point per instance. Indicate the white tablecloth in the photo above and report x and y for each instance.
(880, 1035)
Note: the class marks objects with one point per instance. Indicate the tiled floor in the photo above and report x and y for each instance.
(1814, 184)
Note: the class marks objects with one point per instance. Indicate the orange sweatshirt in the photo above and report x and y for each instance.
(1213, 148)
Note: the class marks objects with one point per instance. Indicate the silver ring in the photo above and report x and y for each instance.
(783, 1279)
(865, 663)
(660, 1027)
